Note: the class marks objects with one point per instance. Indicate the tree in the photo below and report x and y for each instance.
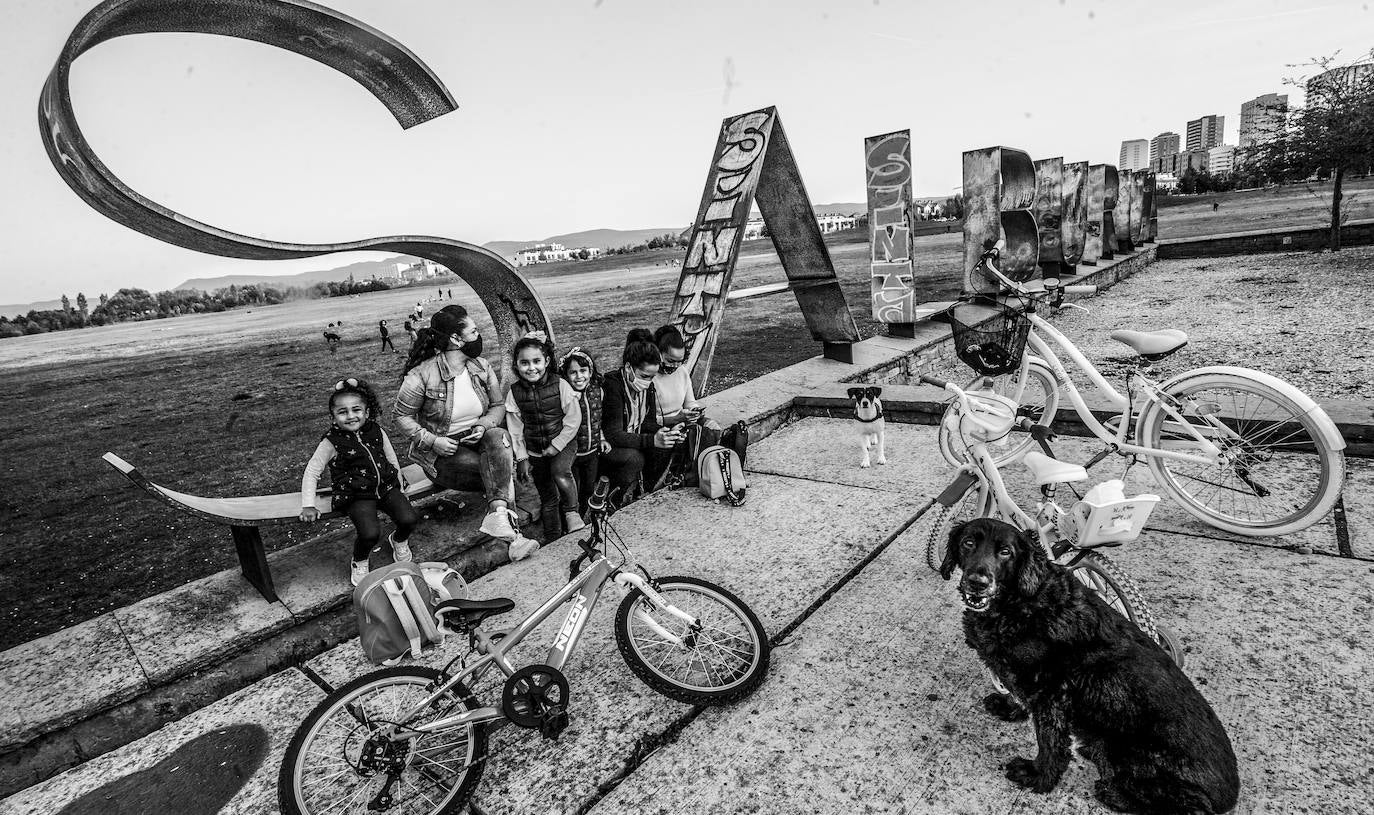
(954, 206)
(81, 307)
(1331, 134)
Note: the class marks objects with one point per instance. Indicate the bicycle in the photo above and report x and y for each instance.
(1070, 537)
(1239, 449)
(413, 738)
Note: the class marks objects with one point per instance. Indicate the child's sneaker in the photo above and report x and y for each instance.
(400, 550)
(499, 523)
(359, 571)
(573, 522)
(521, 548)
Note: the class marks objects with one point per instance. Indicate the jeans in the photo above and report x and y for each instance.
(557, 491)
(491, 466)
(584, 471)
(363, 513)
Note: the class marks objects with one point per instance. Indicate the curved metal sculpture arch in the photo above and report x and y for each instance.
(387, 69)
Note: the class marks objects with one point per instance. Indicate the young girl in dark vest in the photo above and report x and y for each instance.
(639, 444)
(543, 415)
(578, 367)
(363, 472)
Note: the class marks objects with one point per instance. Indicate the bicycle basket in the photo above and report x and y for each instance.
(991, 346)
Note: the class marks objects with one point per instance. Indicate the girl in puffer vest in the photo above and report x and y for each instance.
(543, 415)
(579, 369)
(364, 474)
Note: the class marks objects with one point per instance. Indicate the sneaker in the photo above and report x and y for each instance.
(359, 571)
(573, 522)
(400, 550)
(521, 548)
(499, 523)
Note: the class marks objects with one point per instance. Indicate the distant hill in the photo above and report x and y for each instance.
(362, 270)
(600, 238)
(24, 308)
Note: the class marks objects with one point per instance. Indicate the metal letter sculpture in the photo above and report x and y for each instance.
(753, 159)
(1074, 226)
(999, 189)
(888, 160)
(1121, 216)
(1048, 211)
(392, 74)
(1151, 209)
(1101, 240)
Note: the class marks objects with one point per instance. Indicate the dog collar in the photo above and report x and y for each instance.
(874, 419)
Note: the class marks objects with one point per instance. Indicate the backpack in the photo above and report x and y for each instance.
(394, 606)
(720, 474)
(701, 436)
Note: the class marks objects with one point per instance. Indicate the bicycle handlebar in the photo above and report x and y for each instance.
(934, 380)
(1080, 289)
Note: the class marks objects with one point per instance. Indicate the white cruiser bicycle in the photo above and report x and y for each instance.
(1239, 449)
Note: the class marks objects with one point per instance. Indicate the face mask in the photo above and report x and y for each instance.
(638, 384)
(669, 367)
(472, 349)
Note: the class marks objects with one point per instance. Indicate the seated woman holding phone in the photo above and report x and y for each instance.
(677, 402)
(452, 409)
(629, 418)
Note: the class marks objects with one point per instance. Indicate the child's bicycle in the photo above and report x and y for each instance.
(1239, 449)
(1104, 517)
(413, 739)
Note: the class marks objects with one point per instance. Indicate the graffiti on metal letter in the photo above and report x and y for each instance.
(1151, 209)
(1074, 226)
(888, 161)
(999, 189)
(1101, 240)
(384, 67)
(1048, 211)
(753, 161)
(1121, 215)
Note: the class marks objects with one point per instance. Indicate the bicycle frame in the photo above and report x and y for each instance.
(583, 590)
(1047, 356)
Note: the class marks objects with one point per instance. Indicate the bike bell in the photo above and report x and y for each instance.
(988, 417)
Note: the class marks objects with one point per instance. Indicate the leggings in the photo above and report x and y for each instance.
(363, 513)
(386, 343)
(553, 478)
(584, 470)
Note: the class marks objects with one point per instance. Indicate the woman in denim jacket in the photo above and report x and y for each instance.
(452, 409)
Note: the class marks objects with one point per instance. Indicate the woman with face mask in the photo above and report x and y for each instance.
(452, 408)
(677, 402)
(629, 418)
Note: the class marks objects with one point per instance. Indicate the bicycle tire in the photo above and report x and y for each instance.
(730, 632)
(308, 743)
(1276, 425)
(1171, 644)
(1040, 396)
(1101, 575)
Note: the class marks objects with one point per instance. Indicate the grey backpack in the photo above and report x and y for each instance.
(395, 604)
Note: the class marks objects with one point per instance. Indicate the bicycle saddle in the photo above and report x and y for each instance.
(475, 611)
(1153, 345)
(1046, 470)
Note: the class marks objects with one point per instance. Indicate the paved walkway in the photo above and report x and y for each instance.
(871, 704)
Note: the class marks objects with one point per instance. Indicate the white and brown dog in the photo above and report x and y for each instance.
(868, 412)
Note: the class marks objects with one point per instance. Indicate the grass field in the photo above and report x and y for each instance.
(233, 403)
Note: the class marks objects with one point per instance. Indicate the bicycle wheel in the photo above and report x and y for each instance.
(1117, 590)
(1279, 470)
(1038, 398)
(721, 659)
(946, 518)
(338, 759)
(1169, 641)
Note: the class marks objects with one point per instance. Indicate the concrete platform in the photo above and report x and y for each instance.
(872, 701)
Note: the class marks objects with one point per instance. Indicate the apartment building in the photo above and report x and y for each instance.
(1135, 155)
(1165, 144)
(1205, 132)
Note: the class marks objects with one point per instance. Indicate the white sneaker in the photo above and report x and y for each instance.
(521, 548)
(573, 522)
(359, 571)
(400, 550)
(499, 523)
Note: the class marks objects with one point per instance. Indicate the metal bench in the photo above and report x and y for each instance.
(243, 516)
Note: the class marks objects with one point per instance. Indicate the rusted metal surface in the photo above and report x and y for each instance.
(1074, 221)
(1048, 211)
(1151, 213)
(1101, 194)
(753, 160)
(999, 190)
(387, 69)
(1138, 207)
(887, 159)
(1110, 195)
(1121, 215)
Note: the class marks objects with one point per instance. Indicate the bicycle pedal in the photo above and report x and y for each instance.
(553, 722)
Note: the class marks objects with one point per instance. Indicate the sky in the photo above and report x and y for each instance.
(583, 114)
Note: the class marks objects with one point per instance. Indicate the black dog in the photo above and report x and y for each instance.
(1081, 669)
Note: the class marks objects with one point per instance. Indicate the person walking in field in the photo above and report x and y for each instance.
(409, 328)
(332, 339)
(386, 337)
(364, 473)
